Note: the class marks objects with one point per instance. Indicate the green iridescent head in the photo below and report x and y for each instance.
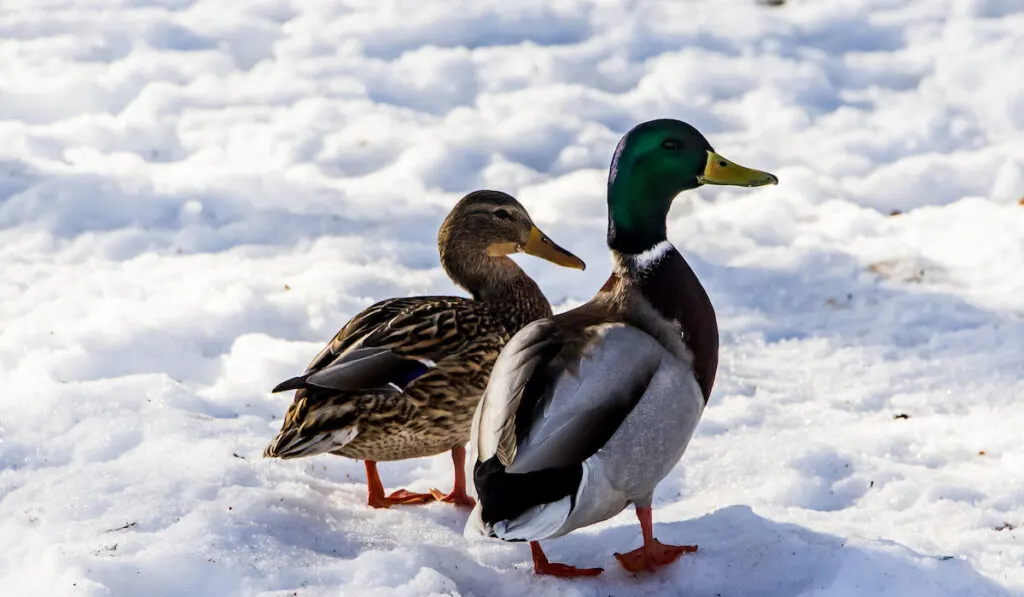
(653, 163)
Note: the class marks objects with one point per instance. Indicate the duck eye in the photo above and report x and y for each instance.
(502, 214)
(670, 143)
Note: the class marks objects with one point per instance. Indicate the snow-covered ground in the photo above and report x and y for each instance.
(194, 195)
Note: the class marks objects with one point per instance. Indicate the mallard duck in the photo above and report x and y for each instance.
(403, 377)
(587, 411)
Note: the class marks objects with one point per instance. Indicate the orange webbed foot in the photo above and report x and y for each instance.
(653, 556)
(565, 571)
(405, 497)
(378, 502)
(458, 498)
(542, 567)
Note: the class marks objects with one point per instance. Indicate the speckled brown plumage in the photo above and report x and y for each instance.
(428, 357)
(430, 415)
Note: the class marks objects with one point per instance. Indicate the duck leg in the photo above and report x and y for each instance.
(375, 491)
(542, 566)
(654, 554)
(458, 496)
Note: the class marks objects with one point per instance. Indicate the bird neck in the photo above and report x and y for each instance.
(639, 198)
(515, 299)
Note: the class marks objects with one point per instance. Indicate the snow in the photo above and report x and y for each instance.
(195, 194)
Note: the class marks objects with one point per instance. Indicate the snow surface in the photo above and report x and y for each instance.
(195, 194)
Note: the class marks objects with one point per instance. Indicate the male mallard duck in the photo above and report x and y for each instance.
(587, 411)
(403, 377)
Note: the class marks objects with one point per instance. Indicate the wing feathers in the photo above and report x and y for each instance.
(552, 401)
(361, 369)
(368, 368)
(516, 363)
(294, 383)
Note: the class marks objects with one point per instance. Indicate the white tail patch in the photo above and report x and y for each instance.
(475, 528)
(537, 523)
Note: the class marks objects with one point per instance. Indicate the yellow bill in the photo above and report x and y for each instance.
(541, 246)
(721, 171)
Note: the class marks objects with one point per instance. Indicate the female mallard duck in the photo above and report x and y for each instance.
(587, 411)
(403, 377)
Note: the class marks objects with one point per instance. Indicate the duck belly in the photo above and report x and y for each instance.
(642, 451)
(433, 415)
(419, 434)
(402, 442)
